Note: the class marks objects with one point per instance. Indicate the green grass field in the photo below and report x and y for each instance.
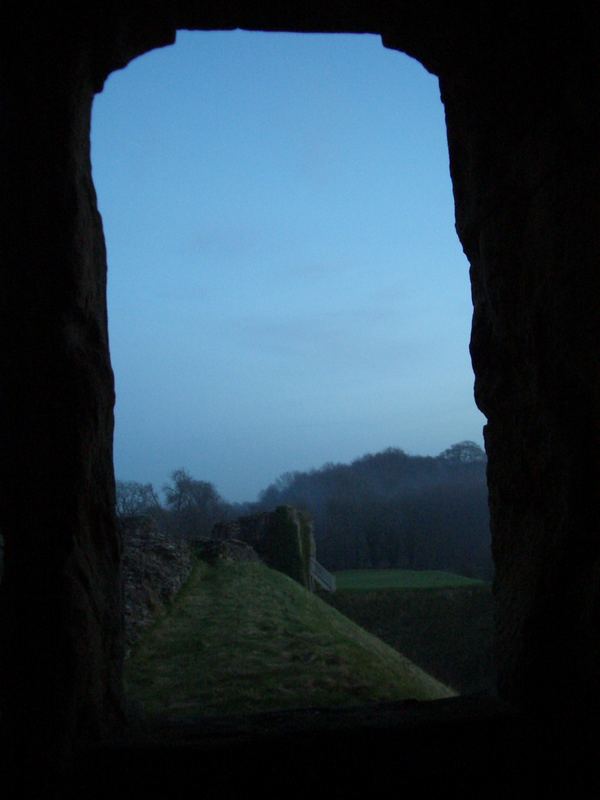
(242, 638)
(372, 579)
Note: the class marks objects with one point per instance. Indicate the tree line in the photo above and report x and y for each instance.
(384, 510)
(191, 508)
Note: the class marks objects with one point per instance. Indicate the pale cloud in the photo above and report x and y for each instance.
(361, 340)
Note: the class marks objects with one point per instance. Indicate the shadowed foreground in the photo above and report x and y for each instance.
(479, 746)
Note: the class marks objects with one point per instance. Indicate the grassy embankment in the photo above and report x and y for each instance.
(242, 638)
(442, 622)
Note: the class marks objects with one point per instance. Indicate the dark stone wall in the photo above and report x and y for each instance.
(523, 126)
(60, 619)
(154, 567)
(282, 538)
(521, 96)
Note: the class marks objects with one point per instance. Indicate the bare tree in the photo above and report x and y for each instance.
(136, 498)
(195, 506)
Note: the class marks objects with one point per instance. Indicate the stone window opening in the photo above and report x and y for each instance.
(118, 160)
(519, 91)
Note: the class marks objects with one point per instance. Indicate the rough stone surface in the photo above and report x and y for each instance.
(283, 539)
(61, 636)
(522, 97)
(252, 530)
(526, 182)
(155, 567)
(212, 551)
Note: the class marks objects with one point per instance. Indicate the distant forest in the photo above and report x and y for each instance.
(384, 510)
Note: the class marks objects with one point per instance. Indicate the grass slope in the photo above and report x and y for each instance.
(373, 579)
(446, 631)
(242, 638)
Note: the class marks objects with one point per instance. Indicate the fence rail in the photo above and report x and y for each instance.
(322, 576)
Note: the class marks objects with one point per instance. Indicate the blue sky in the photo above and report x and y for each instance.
(286, 287)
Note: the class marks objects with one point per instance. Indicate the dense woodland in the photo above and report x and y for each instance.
(387, 509)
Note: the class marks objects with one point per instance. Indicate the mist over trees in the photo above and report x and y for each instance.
(191, 510)
(393, 510)
(384, 510)
(195, 506)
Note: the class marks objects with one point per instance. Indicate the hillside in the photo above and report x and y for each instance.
(442, 622)
(242, 638)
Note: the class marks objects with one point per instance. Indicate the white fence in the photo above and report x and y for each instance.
(322, 576)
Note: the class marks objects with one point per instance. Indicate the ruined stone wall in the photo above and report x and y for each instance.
(283, 539)
(154, 568)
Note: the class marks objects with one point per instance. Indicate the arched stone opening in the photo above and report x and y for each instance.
(521, 104)
(210, 294)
